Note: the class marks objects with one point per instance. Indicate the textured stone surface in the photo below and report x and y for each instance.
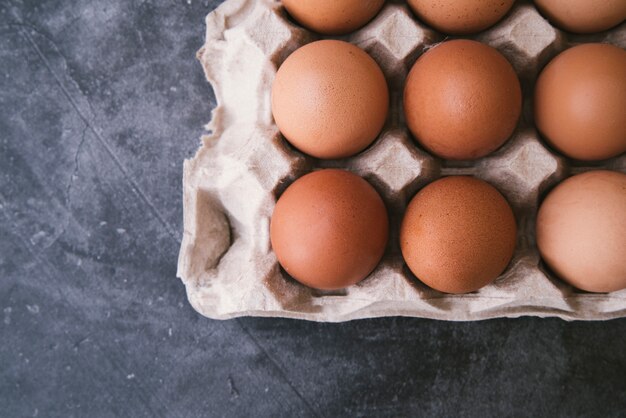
(93, 321)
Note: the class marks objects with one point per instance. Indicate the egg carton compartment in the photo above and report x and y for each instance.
(244, 164)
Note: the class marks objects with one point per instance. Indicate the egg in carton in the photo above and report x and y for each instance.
(244, 164)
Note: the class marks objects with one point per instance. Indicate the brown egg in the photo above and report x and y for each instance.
(583, 16)
(333, 17)
(460, 16)
(330, 99)
(458, 234)
(581, 231)
(580, 102)
(329, 229)
(462, 100)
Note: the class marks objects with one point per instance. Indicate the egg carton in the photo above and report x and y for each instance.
(243, 165)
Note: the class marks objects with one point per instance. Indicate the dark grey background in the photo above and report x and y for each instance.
(100, 102)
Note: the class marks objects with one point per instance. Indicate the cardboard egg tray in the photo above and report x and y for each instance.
(244, 164)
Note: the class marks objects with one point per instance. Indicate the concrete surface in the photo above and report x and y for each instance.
(100, 102)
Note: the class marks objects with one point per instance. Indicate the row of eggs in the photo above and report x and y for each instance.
(330, 228)
(455, 17)
(462, 100)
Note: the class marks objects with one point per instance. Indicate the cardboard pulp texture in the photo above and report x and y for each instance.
(243, 164)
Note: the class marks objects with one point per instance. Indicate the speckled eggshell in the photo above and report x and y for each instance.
(462, 100)
(330, 99)
(460, 17)
(329, 229)
(581, 231)
(583, 16)
(458, 234)
(580, 102)
(333, 17)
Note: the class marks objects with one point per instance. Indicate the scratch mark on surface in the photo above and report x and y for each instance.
(68, 189)
(234, 393)
(279, 369)
(22, 25)
(134, 185)
(81, 341)
(68, 192)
